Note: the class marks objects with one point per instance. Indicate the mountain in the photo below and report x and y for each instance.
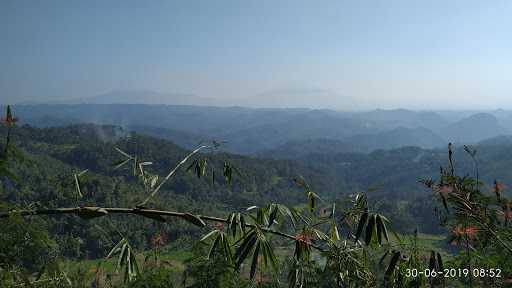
(140, 97)
(315, 98)
(181, 138)
(299, 149)
(200, 120)
(398, 137)
(405, 118)
(308, 125)
(246, 130)
(473, 129)
(496, 141)
(257, 131)
(366, 143)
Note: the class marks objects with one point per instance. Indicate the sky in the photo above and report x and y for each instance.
(345, 55)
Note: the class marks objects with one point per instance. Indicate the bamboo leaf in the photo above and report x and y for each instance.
(120, 163)
(123, 153)
(361, 224)
(379, 230)
(82, 172)
(439, 262)
(445, 204)
(120, 260)
(116, 248)
(232, 223)
(285, 211)
(194, 219)
(135, 265)
(154, 180)
(312, 197)
(129, 264)
(273, 215)
(392, 264)
(335, 236)
(255, 260)
(192, 165)
(432, 261)
(92, 212)
(202, 167)
(227, 247)
(370, 227)
(77, 186)
(241, 220)
(209, 235)
(269, 254)
(214, 245)
(245, 248)
(228, 172)
(384, 229)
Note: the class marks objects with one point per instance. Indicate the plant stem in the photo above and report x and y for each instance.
(173, 171)
(136, 211)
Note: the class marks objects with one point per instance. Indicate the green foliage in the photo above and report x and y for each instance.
(346, 244)
(26, 248)
(127, 260)
(211, 272)
(220, 244)
(154, 278)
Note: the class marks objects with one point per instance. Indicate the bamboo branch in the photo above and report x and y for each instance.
(173, 171)
(104, 211)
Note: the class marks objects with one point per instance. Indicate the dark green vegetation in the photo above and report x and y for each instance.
(335, 236)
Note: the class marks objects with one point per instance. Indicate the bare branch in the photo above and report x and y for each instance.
(173, 171)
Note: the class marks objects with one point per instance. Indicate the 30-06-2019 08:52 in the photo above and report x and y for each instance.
(455, 273)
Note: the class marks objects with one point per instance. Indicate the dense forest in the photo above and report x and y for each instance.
(86, 205)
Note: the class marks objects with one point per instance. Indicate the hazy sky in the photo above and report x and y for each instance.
(366, 54)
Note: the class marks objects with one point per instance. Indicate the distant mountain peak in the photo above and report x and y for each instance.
(140, 96)
(474, 128)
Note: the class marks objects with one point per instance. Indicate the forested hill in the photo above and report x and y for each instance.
(53, 155)
(78, 147)
(49, 158)
(396, 171)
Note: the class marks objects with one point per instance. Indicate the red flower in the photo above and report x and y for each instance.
(498, 186)
(305, 237)
(9, 120)
(507, 214)
(470, 232)
(300, 182)
(445, 189)
(158, 240)
(219, 225)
